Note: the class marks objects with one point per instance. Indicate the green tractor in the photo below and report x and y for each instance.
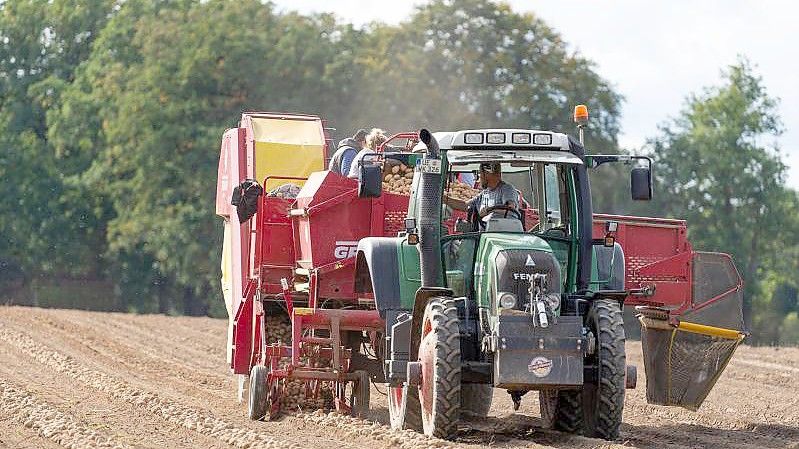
(518, 296)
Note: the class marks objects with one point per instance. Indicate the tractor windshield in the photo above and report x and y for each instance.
(537, 192)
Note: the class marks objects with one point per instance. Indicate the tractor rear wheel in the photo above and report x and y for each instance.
(476, 399)
(440, 357)
(603, 399)
(561, 410)
(404, 410)
(257, 404)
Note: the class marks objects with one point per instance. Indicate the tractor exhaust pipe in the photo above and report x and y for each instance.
(429, 213)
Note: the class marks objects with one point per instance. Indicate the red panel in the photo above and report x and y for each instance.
(242, 338)
(656, 254)
(334, 220)
(276, 240)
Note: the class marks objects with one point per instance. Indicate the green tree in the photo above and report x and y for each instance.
(46, 223)
(161, 86)
(477, 63)
(719, 167)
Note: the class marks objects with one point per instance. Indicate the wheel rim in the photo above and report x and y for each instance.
(397, 403)
(427, 355)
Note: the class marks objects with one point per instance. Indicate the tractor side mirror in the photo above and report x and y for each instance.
(370, 181)
(641, 184)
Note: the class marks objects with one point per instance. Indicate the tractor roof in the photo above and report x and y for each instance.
(521, 146)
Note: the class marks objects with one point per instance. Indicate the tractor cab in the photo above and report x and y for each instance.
(550, 208)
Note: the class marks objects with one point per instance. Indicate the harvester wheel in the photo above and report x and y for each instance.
(440, 357)
(476, 399)
(361, 393)
(561, 410)
(404, 410)
(603, 400)
(257, 405)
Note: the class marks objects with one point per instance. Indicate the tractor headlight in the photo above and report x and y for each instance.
(507, 300)
(553, 299)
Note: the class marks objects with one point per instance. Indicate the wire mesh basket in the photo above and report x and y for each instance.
(683, 363)
(684, 356)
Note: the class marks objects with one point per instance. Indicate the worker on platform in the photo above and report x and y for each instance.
(374, 139)
(347, 150)
(495, 194)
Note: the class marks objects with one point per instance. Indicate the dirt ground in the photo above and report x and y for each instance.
(81, 379)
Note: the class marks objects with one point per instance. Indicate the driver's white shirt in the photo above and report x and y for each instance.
(500, 195)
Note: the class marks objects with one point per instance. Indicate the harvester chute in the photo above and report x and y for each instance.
(684, 355)
(690, 308)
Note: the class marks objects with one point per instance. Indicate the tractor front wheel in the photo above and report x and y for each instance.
(440, 357)
(603, 399)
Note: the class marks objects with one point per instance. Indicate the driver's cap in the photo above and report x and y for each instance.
(490, 167)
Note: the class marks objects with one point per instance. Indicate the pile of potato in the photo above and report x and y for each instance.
(278, 328)
(461, 191)
(285, 191)
(397, 177)
(294, 398)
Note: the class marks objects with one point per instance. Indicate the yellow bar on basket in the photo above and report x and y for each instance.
(303, 311)
(712, 331)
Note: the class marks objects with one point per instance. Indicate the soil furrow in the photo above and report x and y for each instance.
(49, 422)
(198, 420)
(129, 424)
(159, 381)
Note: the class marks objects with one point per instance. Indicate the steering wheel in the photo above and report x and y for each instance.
(503, 207)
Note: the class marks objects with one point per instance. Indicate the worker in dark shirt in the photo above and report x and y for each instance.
(347, 149)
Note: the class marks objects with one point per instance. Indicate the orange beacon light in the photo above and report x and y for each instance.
(580, 114)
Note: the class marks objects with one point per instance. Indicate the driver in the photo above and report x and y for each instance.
(496, 193)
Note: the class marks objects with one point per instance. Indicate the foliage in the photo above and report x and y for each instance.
(718, 167)
(789, 329)
(47, 222)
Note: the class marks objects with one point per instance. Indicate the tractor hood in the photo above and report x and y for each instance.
(506, 262)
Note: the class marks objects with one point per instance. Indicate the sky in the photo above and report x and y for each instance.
(655, 53)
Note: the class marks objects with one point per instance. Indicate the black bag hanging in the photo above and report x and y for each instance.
(245, 198)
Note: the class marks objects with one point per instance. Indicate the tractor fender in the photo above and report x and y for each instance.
(377, 271)
(610, 266)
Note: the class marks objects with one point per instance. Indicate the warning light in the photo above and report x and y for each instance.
(580, 114)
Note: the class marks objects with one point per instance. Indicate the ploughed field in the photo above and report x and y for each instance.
(84, 379)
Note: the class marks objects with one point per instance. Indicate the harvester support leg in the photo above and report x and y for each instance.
(361, 394)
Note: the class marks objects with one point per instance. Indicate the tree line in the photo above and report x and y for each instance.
(111, 115)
